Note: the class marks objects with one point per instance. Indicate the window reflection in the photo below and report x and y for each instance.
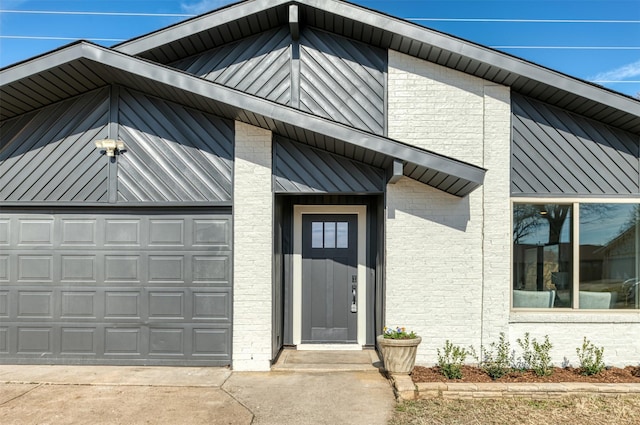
(608, 256)
(542, 251)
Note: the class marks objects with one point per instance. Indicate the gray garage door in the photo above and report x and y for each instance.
(136, 287)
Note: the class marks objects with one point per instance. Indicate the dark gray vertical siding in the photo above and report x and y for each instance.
(557, 152)
(173, 153)
(50, 155)
(301, 169)
(342, 80)
(259, 65)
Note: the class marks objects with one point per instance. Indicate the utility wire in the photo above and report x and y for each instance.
(58, 12)
(535, 21)
(39, 37)
(188, 15)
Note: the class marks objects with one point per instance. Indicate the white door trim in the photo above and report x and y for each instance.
(361, 212)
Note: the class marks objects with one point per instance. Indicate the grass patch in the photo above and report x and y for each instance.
(568, 410)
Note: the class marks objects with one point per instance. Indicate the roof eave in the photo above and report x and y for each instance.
(242, 107)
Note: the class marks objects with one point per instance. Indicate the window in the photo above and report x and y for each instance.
(329, 234)
(576, 255)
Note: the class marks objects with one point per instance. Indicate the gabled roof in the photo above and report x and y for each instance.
(253, 16)
(82, 67)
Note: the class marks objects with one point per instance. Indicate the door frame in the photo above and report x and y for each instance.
(361, 212)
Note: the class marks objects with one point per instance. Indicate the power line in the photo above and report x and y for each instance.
(570, 47)
(57, 12)
(535, 21)
(39, 37)
(418, 19)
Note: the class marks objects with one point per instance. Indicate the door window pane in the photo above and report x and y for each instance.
(317, 233)
(329, 234)
(342, 236)
(542, 254)
(608, 256)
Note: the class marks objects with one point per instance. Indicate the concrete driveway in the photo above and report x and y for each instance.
(174, 395)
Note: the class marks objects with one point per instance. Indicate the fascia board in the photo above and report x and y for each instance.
(42, 63)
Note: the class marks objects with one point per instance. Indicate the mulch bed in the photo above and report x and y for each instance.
(613, 375)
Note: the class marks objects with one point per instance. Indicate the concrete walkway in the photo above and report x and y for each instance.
(173, 395)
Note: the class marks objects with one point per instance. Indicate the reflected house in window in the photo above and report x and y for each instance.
(618, 257)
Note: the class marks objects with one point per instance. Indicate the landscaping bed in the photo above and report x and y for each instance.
(471, 374)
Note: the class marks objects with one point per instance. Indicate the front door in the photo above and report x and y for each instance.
(329, 278)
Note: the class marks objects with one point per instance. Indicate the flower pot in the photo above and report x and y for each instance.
(398, 355)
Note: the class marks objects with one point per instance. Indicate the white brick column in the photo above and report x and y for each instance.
(253, 249)
(448, 258)
(497, 213)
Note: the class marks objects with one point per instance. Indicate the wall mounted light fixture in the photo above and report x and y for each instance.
(110, 146)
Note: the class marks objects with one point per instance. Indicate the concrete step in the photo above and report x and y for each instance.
(292, 360)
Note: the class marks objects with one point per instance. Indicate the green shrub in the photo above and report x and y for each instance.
(535, 356)
(590, 358)
(451, 360)
(496, 360)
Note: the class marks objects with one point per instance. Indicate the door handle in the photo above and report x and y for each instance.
(354, 306)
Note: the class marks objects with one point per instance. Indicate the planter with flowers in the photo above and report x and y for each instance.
(398, 349)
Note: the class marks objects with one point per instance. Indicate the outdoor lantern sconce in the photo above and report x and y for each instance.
(110, 146)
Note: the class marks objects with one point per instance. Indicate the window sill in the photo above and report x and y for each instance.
(574, 316)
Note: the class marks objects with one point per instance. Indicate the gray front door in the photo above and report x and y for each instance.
(329, 278)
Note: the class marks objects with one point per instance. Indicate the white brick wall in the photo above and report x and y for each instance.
(618, 337)
(447, 261)
(252, 255)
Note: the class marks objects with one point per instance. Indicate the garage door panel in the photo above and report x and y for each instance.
(79, 305)
(211, 342)
(214, 306)
(122, 232)
(34, 340)
(35, 305)
(4, 304)
(4, 232)
(35, 268)
(4, 340)
(37, 231)
(5, 269)
(115, 288)
(76, 232)
(167, 232)
(78, 268)
(82, 341)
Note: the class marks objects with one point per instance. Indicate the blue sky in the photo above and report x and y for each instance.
(613, 26)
